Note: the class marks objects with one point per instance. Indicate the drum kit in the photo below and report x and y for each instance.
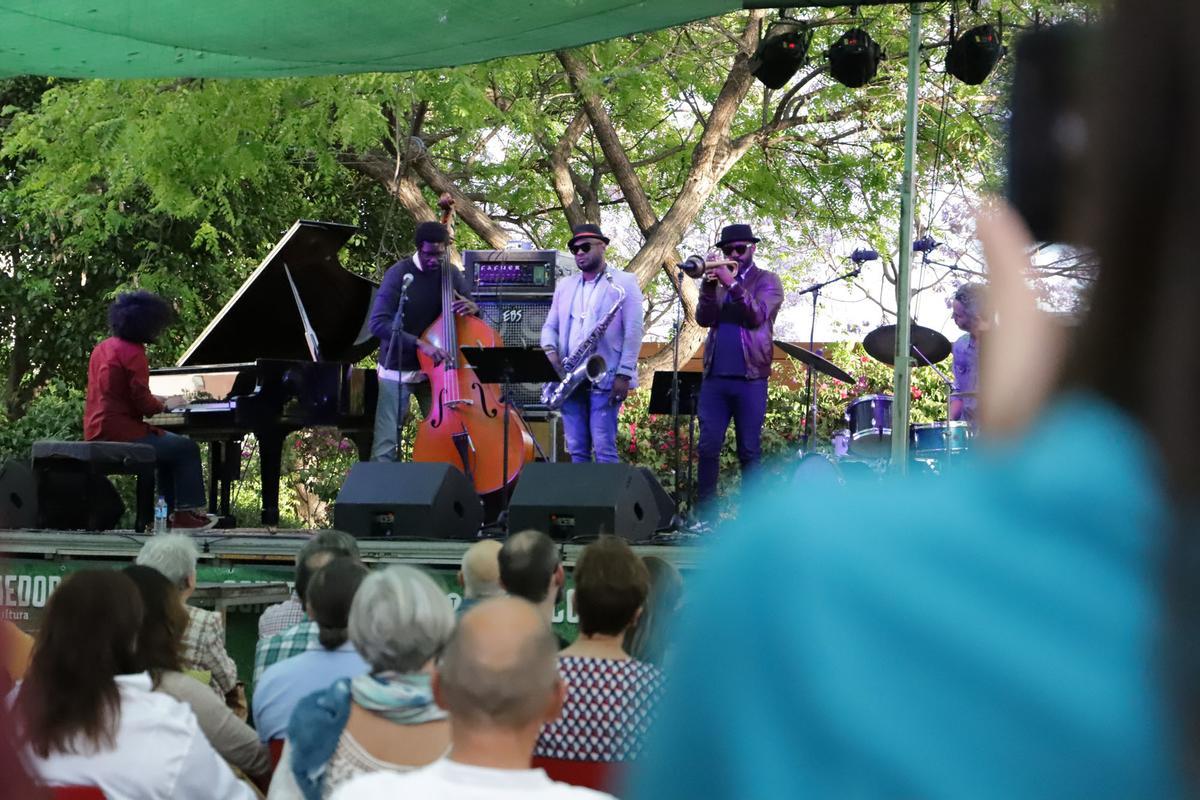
(867, 437)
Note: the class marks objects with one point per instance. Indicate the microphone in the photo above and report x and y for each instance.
(926, 244)
(404, 284)
(692, 265)
(864, 254)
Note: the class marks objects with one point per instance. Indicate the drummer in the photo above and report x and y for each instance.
(970, 315)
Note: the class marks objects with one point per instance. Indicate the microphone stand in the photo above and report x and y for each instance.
(396, 345)
(677, 520)
(949, 394)
(810, 418)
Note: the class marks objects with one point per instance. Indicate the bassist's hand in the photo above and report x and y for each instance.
(432, 351)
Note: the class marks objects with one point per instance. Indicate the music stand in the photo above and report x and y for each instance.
(662, 401)
(506, 366)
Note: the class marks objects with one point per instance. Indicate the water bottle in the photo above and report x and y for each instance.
(160, 515)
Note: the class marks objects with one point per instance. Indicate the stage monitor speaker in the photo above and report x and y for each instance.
(518, 319)
(18, 496)
(433, 501)
(662, 499)
(581, 501)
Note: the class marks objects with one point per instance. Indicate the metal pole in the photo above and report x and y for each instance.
(903, 370)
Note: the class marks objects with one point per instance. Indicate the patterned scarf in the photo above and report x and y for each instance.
(399, 698)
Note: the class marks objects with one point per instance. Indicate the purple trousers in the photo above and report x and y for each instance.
(722, 400)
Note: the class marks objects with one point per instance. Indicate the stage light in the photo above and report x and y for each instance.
(973, 56)
(781, 52)
(854, 58)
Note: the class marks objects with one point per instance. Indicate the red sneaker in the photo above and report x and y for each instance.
(191, 521)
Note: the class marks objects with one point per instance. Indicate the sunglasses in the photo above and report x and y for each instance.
(735, 249)
(580, 248)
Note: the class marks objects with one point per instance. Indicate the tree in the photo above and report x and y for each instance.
(663, 134)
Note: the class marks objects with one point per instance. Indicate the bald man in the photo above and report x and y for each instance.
(499, 681)
(479, 575)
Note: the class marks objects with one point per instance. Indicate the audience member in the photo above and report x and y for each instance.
(611, 697)
(330, 594)
(17, 647)
(281, 616)
(159, 644)
(175, 555)
(302, 636)
(531, 568)
(90, 717)
(498, 681)
(1035, 635)
(647, 639)
(479, 575)
(385, 720)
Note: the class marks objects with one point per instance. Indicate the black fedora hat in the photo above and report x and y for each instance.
(736, 233)
(586, 231)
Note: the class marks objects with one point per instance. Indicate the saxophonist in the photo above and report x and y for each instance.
(599, 296)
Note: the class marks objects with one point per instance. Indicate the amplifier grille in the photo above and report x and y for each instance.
(519, 321)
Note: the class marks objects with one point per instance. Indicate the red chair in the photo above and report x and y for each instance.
(276, 748)
(76, 793)
(603, 776)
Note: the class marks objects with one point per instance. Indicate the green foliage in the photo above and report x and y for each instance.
(55, 413)
(648, 440)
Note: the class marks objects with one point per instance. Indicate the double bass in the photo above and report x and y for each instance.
(466, 422)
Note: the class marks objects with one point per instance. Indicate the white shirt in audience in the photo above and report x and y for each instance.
(450, 780)
(159, 751)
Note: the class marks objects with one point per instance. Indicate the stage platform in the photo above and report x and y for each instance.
(262, 546)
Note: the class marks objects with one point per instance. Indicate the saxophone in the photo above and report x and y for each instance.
(583, 363)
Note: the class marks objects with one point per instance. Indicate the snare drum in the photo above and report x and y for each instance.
(869, 419)
(934, 440)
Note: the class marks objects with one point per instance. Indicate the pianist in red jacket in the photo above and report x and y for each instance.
(119, 400)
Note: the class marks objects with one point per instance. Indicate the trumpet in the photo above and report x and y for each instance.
(697, 267)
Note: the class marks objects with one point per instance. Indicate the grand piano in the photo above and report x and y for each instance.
(279, 357)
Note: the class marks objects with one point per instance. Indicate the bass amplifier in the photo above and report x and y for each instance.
(500, 272)
(519, 320)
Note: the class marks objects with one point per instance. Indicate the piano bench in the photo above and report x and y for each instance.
(92, 459)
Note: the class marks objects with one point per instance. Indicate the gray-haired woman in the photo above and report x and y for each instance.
(387, 719)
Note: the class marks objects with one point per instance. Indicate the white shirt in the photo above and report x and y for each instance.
(449, 780)
(583, 311)
(159, 753)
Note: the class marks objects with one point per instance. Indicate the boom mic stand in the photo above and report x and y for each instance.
(810, 417)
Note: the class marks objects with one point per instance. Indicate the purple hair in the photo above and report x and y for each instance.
(139, 316)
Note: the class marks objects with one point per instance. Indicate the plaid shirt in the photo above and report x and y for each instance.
(292, 642)
(204, 649)
(281, 616)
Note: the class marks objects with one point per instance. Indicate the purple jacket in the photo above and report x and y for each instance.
(759, 294)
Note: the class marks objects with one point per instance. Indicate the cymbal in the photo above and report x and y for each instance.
(881, 344)
(815, 361)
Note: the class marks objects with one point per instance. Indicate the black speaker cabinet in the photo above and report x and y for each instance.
(18, 496)
(434, 501)
(662, 499)
(518, 319)
(578, 501)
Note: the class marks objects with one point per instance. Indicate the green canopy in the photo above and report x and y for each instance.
(269, 38)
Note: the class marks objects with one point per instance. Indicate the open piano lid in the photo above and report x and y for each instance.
(264, 320)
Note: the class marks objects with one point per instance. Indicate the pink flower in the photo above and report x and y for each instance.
(916, 393)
